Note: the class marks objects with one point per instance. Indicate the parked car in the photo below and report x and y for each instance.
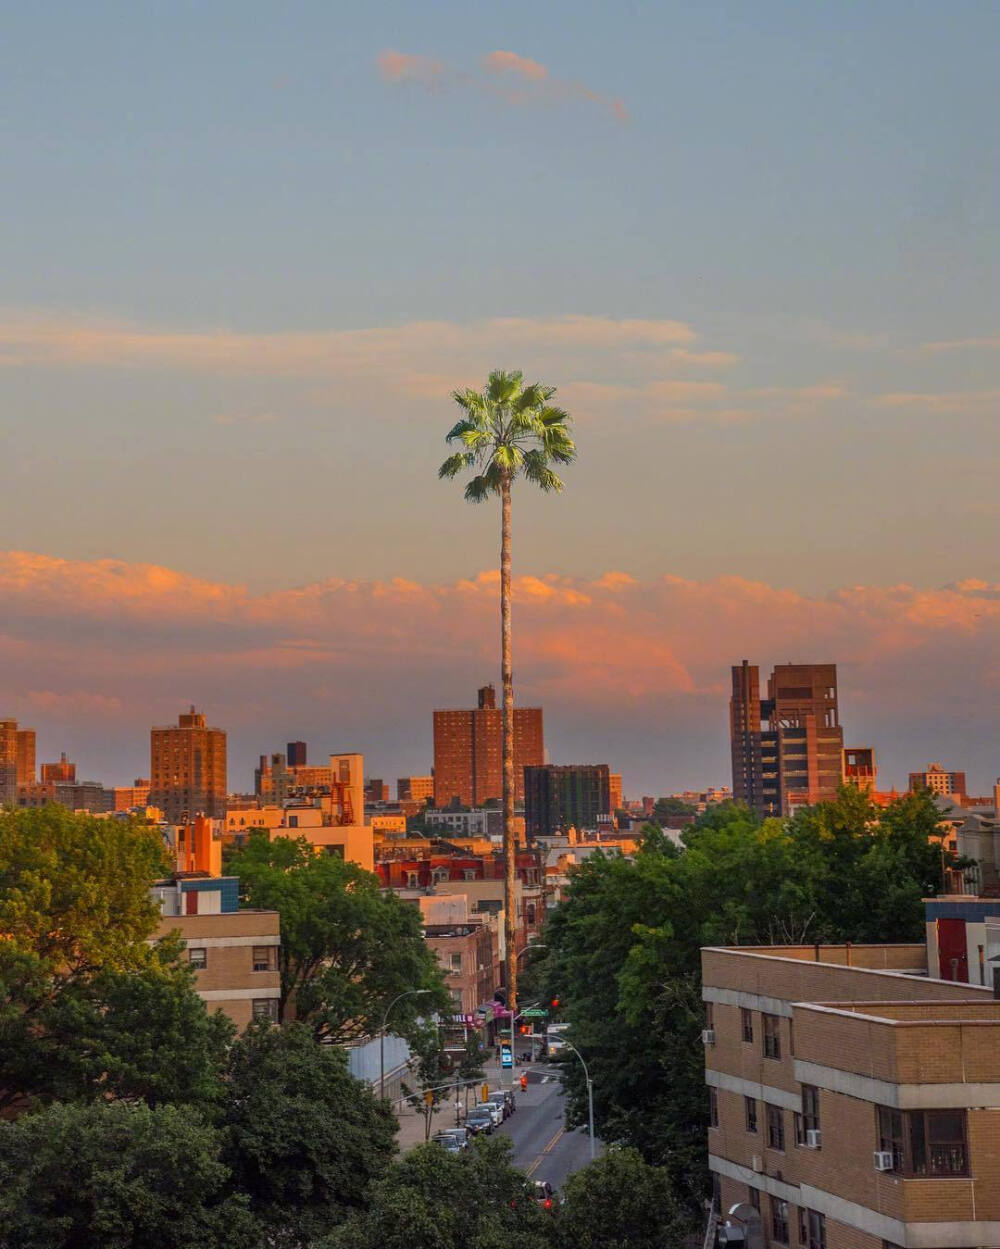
(504, 1100)
(447, 1142)
(480, 1119)
(497, 1110)
(460, 1134)
(545, 1194)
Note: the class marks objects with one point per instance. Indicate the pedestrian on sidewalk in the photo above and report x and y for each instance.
(524, 1082)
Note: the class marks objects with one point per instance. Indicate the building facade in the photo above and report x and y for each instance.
(853, 1102)
(787, 749)
(468, 751)
(939, 781)
(557, 798)
(188, 769)
(414, 788)
(17, 759)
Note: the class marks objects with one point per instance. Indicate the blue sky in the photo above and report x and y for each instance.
(243, 267)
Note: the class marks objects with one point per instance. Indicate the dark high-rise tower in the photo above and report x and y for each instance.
(788, 749)
(296, 754)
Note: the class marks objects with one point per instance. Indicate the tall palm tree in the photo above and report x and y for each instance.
(509, 430)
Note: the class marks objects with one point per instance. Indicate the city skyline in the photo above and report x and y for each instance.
(97, 653)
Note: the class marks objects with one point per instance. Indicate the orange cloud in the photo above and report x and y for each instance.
(532, 82)
(629, 670)
(511, 63)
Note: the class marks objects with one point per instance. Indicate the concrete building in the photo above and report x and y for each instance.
(414, 788)
(468, 758)
(557, 798)
(615, 785)
(188, 769)
(939, 781)
(860, 769)
(854, 1103)
(126, 797)
(787, 749)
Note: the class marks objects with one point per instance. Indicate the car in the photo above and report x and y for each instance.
(448, 1143)
(460, 1134)
(545, 1194)
(504, 1100)
(497, 1110)
(479, 1120)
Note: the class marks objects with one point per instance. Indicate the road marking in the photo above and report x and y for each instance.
(547, 1150)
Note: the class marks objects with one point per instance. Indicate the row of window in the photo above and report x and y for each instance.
(811, 1225)
(770, 1029)
(916, 1143)
(262, 957)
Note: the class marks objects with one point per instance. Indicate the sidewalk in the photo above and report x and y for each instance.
(411, 1121)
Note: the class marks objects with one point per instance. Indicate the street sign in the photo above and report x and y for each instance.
(534, 1012)
(506, 1057)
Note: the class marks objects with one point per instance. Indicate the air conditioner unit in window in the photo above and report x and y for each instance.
(708, 1036)
(883, 1160)
(814, 1138)
(757, 1163)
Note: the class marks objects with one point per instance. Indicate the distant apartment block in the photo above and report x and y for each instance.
(860, 769)
(135, 795)
(853, 1102)
(414, 788)
(297, 753)
(188, 769)
(615, 786)
(468, 752)
(17, 759)
(787, 749)
(939, 781)
(61, 771)
(557, 798)
(376, 790)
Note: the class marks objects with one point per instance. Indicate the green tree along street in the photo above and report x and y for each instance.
(435, 1200)
(302, 1138)
(507, 431)
(623, 947)
(621, 1202)
(347, 949)
(117, 1176)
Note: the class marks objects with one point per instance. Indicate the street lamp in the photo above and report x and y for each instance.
(590, 1096)
(381, 1038)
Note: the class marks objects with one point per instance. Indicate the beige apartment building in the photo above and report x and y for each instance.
(854, 1103)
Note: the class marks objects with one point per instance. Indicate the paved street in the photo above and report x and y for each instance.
(541, 1147)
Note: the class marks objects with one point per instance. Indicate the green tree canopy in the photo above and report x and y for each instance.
(621, 1202)
(435, 1200)
(117, 1176)
(303, 1138)
(623, 949)
(347, 948)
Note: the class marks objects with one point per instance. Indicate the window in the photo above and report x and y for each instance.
(198, 957)
(779, 1221)
(709, 1014)
(810, 1108)
(754, 1195)
(456, 962)
(937, 1142)
(746, 1020)
(262, 958)
(812, 1230)
(293, 821)
(412, 880)
(713, 1107)
(924, 1142)
(750, 1105)
(265, 1008)
(716, 1191)
(772, 1036)
(775, 1128)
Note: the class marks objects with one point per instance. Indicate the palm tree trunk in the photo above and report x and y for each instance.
(507, 678)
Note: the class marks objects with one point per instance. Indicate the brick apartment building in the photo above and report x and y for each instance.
(788, 748)
(468, 752)
(854, 1103)
(188, 769)
(467, 957)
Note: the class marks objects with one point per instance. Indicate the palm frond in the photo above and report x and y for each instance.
(503, 388)
(454, 464)
(478, 490)
(537, 471)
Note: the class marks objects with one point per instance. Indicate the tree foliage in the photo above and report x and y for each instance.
(347, 948)
(117, 1176)
(303, 1138)
(621, 1202)
(436, 1200)
(623, 949)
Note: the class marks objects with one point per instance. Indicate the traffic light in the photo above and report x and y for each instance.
(555, 1003)
(525, 1029)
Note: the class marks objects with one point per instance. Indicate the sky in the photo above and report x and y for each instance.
(248, 250)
